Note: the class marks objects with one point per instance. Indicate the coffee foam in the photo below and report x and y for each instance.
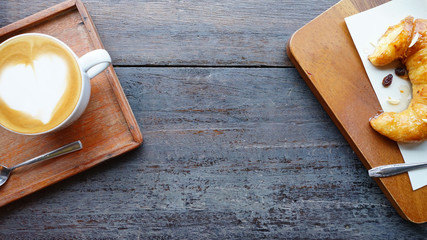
(40, 84)
(35, 89)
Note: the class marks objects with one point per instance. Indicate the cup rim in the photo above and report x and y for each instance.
(82, 79)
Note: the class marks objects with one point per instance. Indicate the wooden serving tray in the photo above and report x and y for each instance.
(325, 56)
(106, 129)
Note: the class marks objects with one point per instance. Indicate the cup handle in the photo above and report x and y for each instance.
(95, 62)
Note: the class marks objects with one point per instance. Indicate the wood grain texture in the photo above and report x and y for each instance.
(192, 32)
(106, 129)
(228, 153)
(346, 82)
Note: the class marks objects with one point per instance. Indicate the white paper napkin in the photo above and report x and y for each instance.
(365, 29)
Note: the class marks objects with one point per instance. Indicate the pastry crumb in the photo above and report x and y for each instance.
(393, 101)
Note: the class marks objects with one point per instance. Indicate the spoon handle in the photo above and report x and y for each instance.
(71, 147)
(394, 169)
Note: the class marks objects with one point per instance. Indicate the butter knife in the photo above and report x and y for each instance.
(394, 169)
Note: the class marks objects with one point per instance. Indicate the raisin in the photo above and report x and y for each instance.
(387, 80)
(400, 71)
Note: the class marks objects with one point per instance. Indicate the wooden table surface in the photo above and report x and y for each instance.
(235, 144)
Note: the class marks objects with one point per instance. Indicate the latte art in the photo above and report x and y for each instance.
(40, 84)
(35, 89)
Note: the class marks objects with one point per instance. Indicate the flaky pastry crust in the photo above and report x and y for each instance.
(393, 43)
(409, 125)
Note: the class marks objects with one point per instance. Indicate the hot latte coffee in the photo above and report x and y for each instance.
(40, 84)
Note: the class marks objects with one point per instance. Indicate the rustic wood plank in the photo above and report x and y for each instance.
(249, 33)
(106, 129)
(228, 153)
(346, 94)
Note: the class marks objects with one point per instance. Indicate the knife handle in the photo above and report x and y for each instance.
(394, 169)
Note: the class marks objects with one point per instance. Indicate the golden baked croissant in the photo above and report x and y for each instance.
(409, 125)
(393, 43)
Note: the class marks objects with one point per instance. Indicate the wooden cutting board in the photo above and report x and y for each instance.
(106, 129)
(325, 56)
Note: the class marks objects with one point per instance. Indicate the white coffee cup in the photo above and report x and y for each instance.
(90, 64)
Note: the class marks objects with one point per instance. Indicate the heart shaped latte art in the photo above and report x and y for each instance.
(37, 88)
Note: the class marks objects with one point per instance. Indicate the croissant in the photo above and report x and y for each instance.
(409, 125)
(394, 43)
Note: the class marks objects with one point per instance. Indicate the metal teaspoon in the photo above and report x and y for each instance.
(71, 147)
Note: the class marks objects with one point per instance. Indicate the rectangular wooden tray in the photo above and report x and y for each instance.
(325, 56)
(106, 129)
